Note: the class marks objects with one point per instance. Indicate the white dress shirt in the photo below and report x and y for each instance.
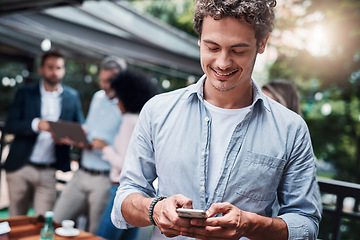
(44, 151)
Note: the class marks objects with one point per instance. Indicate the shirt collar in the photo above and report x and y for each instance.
(259, 96)
(55, 93)
(198, 88)
(115, 100)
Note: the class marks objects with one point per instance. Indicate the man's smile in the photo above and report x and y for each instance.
(223, 75)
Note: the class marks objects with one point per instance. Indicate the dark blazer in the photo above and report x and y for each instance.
(27, 106)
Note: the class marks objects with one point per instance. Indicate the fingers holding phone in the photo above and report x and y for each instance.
(166, 218)
(191, 213)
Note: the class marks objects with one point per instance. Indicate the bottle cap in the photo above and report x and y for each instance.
(49, 214)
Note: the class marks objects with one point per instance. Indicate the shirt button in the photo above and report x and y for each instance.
(207, 119)
(203, 153)
(202, 189)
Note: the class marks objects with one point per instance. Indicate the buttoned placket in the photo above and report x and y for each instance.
(205, 142)
(229, 159)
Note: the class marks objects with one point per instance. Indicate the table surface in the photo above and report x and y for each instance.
(28, 228)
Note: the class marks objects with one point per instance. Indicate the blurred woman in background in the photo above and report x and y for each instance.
(285, 93)
(133, 89)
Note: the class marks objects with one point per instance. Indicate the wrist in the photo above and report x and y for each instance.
(35, 125)
(260, 227)
(152, 206)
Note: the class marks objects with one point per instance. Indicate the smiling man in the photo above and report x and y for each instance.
(221, 145)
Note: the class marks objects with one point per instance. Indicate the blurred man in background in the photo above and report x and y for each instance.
(88, 191)
(34, 156)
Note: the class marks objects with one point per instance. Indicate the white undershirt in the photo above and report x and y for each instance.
(223, 124)
(44, 151)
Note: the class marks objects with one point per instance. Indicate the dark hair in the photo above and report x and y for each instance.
(52, 53)
(258, 13)
(285, 93)
(134, 88)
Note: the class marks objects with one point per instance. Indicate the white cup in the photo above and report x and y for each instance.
(67, 225)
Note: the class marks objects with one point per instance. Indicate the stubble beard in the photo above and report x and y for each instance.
(52, 83)
(223, 88)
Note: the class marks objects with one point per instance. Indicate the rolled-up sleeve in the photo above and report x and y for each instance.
(299, 195)
(300, 227)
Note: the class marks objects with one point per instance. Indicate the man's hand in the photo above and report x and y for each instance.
(67, 141)
(227, 226)
(135, 209)
(98, 144)
(225, 221)
(44, 125)
(166, 217)
(234, 224)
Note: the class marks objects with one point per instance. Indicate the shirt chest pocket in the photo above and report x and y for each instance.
(259, 176)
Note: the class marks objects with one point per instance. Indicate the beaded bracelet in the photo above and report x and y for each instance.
(151, 208)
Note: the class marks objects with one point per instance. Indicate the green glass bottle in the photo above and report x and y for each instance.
(47, 232)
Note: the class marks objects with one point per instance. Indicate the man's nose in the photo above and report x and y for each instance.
(224, 60)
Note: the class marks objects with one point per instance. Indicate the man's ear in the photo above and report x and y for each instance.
(262, 44)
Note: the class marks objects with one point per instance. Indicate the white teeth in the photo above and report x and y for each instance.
(225, 74)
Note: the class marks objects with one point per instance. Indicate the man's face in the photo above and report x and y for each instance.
(53, 70)
(228, 52)
(104, 76)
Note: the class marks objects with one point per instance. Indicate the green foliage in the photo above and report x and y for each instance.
(178, 14)
(76, 75)
(336, 75)
(10, 80)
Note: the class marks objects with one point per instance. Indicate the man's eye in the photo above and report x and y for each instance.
(212, 48)
(238, 52)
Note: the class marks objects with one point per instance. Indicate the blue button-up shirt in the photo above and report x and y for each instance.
(103, 121)
(269, 154)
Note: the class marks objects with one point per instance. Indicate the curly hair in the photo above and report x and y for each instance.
(134, 88)
(258, 13)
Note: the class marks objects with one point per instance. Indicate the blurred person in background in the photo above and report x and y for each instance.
(88, 190)
(34, 156)
(283, 92)
(133, 88)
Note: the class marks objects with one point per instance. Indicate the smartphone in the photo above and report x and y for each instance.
(191, 213)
